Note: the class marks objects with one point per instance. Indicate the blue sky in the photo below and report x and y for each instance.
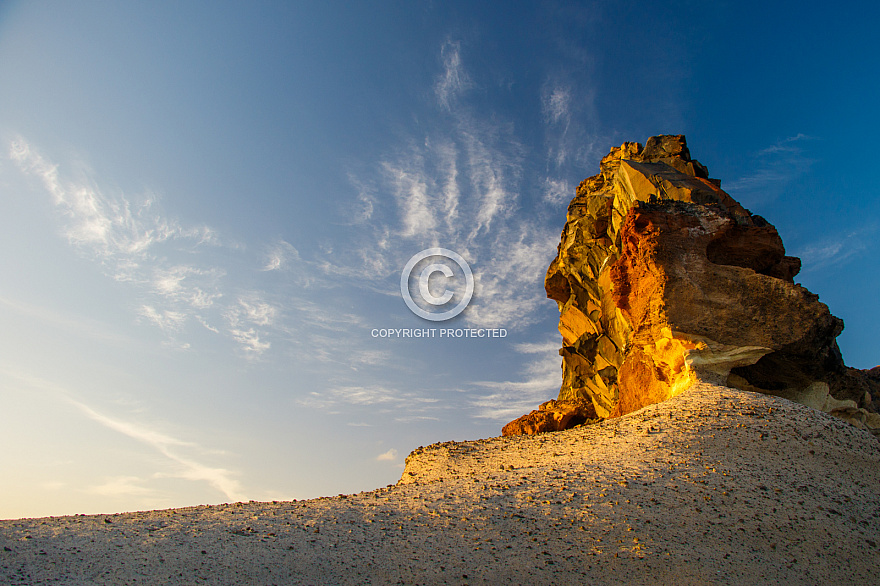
(204, 213)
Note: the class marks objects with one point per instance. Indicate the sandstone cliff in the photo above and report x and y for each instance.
(663, 279)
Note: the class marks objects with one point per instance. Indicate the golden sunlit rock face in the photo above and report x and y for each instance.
(552, 416)
(663, 279)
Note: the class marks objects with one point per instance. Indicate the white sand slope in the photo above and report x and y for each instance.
(717, 486)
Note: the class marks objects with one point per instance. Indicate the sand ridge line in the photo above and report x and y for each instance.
(714, 486)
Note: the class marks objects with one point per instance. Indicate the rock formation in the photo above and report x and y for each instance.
(553, 416)
(663, 279)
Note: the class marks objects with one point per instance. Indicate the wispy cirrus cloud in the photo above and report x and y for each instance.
(539, 381)
(556, 108)
(112, 227)
(183, 459)
(168, 321)
(410, 185)
(460, 184)
(248, 320)
(558, 191)
(570, 127)
(186, 278)
(250, 342)
(122, 486)
(511, 282)
(256, 311)
(453, 80)
(787, 145)
(280, 256)
(556, 104)
(776, 166)
(389, 456)
(459, 187)
(187, 467)
(133, 241)
(190, 286)
(379, 395)
(175, 269)
(459, 192)
(839, 248)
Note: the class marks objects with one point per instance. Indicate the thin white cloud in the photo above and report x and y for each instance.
(194, 287)
(459, 188)
(370, 357)
(389, 456)
(256, 311)
(172, 448)
(249, 341)
(489, 168)
(453, 80)
(362, 211)
(122, 486)
(449, 177)
(188, 468)
(543, 348)
(178, 278)
(540, 382)
(570, 118)
(452, 188)
(776, 166)
(147, 436)
(134, 243)
(411, 191)
(108, 225)
(280, 256)
(786, 145)
(762, 179)
(838, 249)
(168, 321)
(366, 396)
(557, 191)
(556, 104)
(327, 319)
(273, 263)
(206, 325)
(510, 282)
(415, 418)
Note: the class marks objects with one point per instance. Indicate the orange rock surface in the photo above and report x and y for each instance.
(552, 416)
(663, 279)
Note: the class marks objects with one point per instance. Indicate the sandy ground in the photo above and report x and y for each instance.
(717, 486)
